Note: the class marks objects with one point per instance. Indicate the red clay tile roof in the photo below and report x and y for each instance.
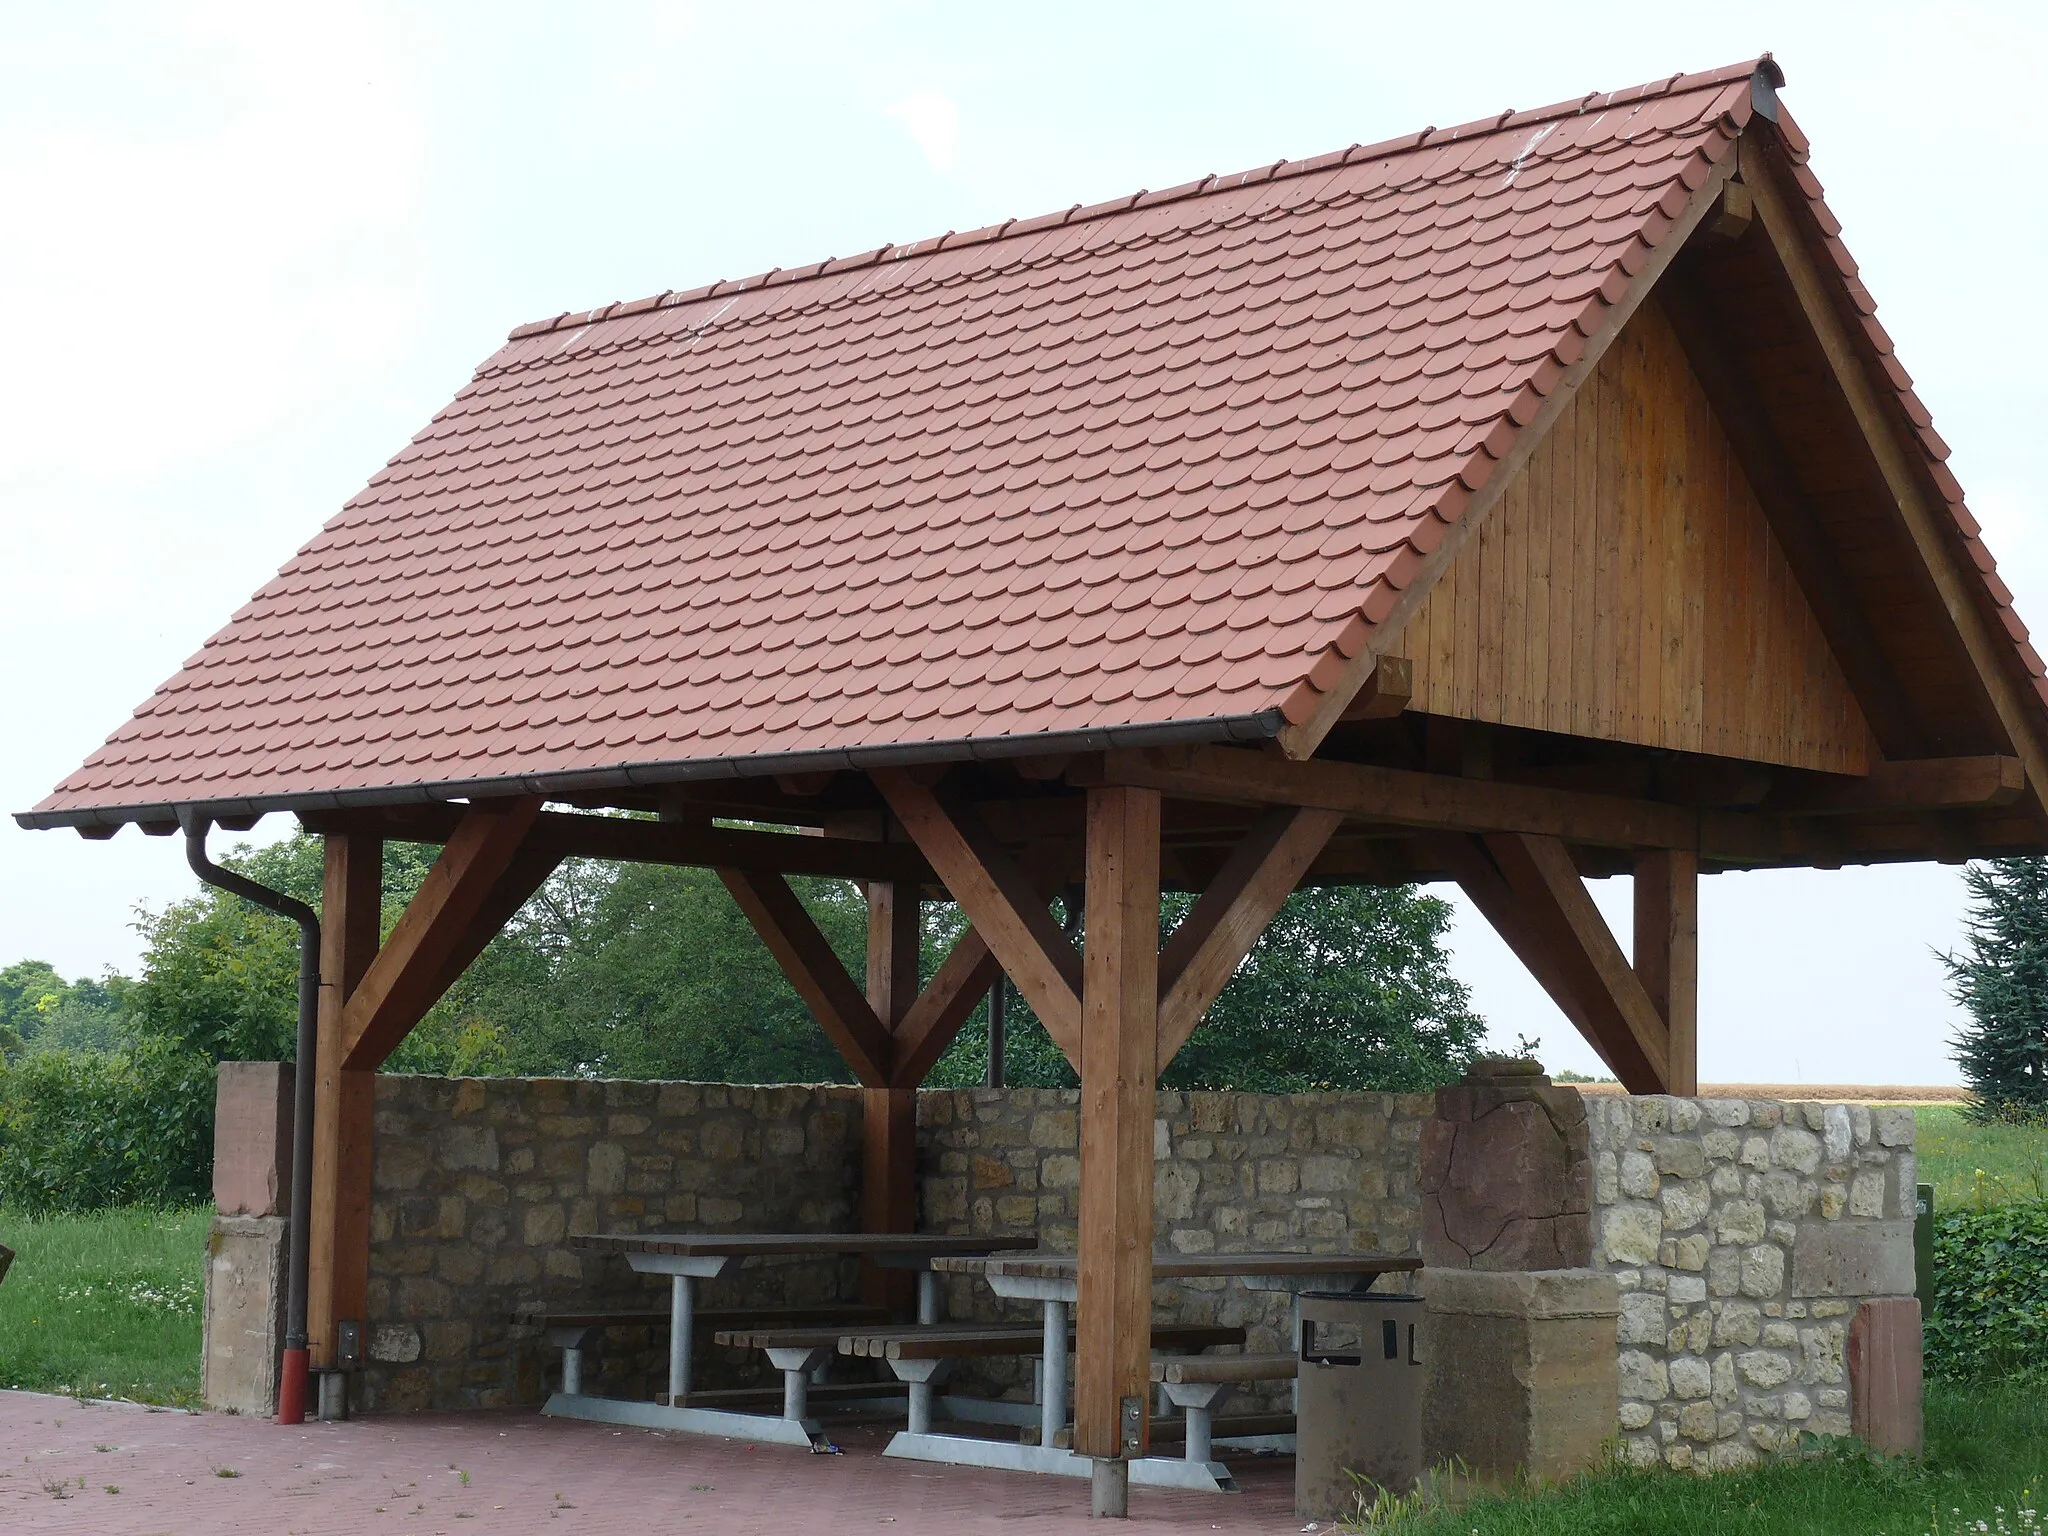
(1124, 472)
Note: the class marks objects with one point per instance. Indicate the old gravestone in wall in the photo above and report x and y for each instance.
(1507, 1173)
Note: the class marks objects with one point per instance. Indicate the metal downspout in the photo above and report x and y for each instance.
(291, 1386)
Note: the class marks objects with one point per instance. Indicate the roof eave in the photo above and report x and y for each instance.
(1262, 725)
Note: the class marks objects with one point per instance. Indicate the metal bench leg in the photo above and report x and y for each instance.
(1199, 1400)
(923, 1376)
(796, 1366)
(682, 1307)
(574, 1343)
(1052, 1407)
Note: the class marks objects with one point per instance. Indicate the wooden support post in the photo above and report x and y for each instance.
(1667, 956)
(1119, 1071)
(338, 1248)
(889, 1113)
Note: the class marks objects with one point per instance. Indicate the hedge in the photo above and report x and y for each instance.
(84, 1131)
(1990, 1312)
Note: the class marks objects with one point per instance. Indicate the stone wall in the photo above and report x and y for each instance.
(1744, 1235)
(1320, 1172)
(478, 1182)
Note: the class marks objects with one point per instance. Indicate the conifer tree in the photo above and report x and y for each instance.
(2002, 981)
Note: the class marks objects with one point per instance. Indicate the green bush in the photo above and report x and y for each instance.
(88, 1130)
(1990, 1313)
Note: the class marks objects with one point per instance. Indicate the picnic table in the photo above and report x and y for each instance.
(1053, 1280)
(688, 1257)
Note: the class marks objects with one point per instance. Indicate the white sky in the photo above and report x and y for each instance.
(251, 249)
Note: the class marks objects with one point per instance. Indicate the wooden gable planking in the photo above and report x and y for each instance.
(1628, 587)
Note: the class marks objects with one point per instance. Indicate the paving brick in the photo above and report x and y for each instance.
(528, 1475)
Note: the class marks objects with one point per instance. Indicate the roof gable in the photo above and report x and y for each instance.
(1153, 470)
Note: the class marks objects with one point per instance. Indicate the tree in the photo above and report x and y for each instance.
(1349, 987)
(2001, 980)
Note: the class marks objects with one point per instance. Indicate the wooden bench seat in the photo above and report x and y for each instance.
(1196, 1384)
(574, 1333)
(1232, 1369)
(711, 1319)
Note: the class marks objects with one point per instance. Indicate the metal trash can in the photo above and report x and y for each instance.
(1359, 1407)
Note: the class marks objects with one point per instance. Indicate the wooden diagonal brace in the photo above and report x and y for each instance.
(1212, 940)
(814, 969)
(406, 978)
(999, 900)
(960, 983)
(1531, 893)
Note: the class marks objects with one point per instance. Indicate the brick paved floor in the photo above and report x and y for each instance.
(479, 1474)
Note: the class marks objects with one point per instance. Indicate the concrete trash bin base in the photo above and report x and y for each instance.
(1523, 1371)
(1359, 1413)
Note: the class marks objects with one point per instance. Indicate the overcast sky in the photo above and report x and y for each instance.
(251, 249)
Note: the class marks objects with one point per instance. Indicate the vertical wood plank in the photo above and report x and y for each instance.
(344, 1102)
(1667, 956)
(889, 1114)
(1119, 1042)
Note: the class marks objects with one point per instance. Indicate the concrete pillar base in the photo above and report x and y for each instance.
(243, 1337)
(1109, 1490)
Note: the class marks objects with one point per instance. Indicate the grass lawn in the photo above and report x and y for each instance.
(1976, 1165)
(1987, 1460)
(105, 1305)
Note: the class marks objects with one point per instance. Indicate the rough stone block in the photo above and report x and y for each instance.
(243, 1330)
(252, 1138)
(1860, 1258)
(1524, 1374)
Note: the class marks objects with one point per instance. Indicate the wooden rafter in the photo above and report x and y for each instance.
(405, 979)
(999, 899)
(1213, 939)
(1926, 521)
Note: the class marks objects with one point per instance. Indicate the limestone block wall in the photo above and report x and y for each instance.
(477, 1183)
(1743, 1235)
(1320, 1172)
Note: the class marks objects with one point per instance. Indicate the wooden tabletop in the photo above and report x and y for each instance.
(750, 1244)
(1170, 1266)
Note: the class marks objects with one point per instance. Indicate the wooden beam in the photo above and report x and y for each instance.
(344, 1100)
(814, 969)
(1617, 1009)
(1386, 693)
(634, 840)
(1667, 937)
(1923, 784)
(1213, 939)
(999, 899)
(961, 981)
(888, 1198)
(1403, 797)
(1119, 1049)
(1905, 473)
(1519, 925)
(1300, 740)
(526, 874)
(401, 983)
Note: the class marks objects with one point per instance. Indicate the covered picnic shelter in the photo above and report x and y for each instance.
(1510, 503)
